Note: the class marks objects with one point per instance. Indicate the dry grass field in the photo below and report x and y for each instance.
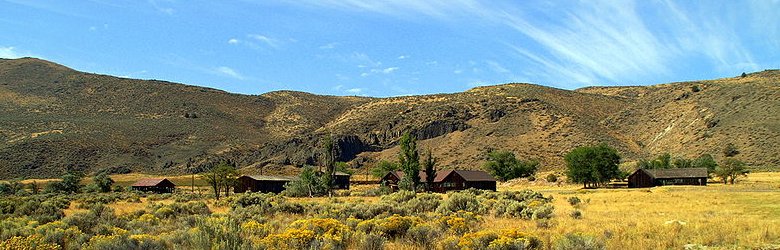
(741, 216)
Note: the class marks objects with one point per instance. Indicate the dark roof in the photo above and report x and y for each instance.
(677, 173)
(474, 175)
(151, 182)
(268, 177)
(468, 175)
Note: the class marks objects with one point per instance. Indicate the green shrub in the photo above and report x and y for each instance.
(576, 214)
(371, 242)
(574, 200)
(423, 234)
(461, 201)
(423, 203)
(552, 178)
(578, 241)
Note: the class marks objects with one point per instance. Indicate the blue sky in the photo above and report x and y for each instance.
(390, 48)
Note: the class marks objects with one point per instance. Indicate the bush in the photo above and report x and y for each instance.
(504, 166)
(423, 234)
(578, 241)
(576, 214)
(504, 239)
(30, 242)
(371, 242)
(461, 201)
(552, 178)
(574, 200)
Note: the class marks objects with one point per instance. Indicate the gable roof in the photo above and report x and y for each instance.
(677, 173)
(150, 182)
(268, 178)
(468, 175)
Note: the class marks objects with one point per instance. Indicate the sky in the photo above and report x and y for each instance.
(393, 48)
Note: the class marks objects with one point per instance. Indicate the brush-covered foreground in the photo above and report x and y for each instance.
(547, 216)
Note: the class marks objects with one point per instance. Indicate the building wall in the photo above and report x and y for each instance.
(246, 184)
(640, 179)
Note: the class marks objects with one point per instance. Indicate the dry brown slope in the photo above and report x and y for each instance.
(674, 118)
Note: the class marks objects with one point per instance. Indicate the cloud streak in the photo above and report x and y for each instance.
(229, 72)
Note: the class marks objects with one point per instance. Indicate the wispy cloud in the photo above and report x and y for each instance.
(329, 46)
(161, 8)
(402, 57)
(227, 71)
(389, 70)
(265, 39)
(403, 8)
(13, 53)
(233, 41)
(354, 90)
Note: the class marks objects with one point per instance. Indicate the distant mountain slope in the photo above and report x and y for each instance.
(54, 119)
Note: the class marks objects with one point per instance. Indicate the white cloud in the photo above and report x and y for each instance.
(403, 57)
(233, 41)
(267, 40)
(354, 90)
(497, 67)
(329, 46)
(163, 9)
(364, 74)
(389, 70)
(12, 53)
(226, 71)
(404, 8)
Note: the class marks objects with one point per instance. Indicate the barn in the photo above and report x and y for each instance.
(261, 183)
(157, 185)
(675, 176)
(448, 180)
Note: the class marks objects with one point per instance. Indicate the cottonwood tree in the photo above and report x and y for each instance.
(429, 164)
(592, 165)
(222, 177)
(409, 160)
(383, 167)
(730, 170)
(329, 161)
(706, 161)
(103, 181)
(505, 166)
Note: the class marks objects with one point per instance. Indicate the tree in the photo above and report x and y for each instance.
(663, 161)
(706, 161)
(429, 164)
(71, 183)
(103, 181)
(504, 166)
(309, 183)
(329, 161)
(222, 177)
(343, 167)
(34, 188)
(383, 167)
(730, 150)
(683, 163)
(409, 159)
(730, 170)
(592, 165)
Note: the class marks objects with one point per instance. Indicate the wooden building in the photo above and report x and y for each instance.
(341, 180)
(448, 180)
(675, 176)
(157, 185)
(261, 183)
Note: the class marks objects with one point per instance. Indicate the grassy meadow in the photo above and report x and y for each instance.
(522, 215)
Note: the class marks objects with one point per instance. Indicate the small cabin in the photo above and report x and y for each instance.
(156, 185)
(341, 180)
(261, 183)
(447, 180)
(661, 177)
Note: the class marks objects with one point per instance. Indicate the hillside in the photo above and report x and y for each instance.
(54, 119)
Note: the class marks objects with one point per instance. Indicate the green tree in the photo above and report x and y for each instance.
(329, 161)
(409, 160)
(706, 161)
(683, 163)
(663, 161)
(309, 183)
(221, 177)
(592, 165)
(504, 166)
(71, 183)
(730, 170)
(383, 167)
(103, 181)
(343, 167)
(429, 164)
